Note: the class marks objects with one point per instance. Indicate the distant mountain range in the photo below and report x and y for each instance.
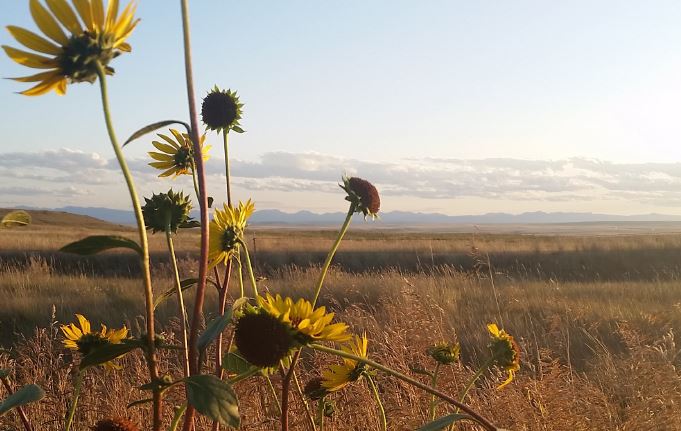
(276, 217)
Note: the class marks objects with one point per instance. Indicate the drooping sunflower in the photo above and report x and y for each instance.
(505, 352)
(83, 340)
(362, 195)
(339, 376)
(227, 231)
(311, 325)
(176, 156)
(445, 353)
(71, 51)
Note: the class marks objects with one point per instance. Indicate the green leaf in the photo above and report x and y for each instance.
(16, 218)
(213, 329)
(108, 352)
(238, 129)
(214, 398)
(97, 243)
(139, 402)
(184, 285)
(443, 422)
(190, 224)
(234, 363)
(25, 395)
(4, 373)
(154, 126)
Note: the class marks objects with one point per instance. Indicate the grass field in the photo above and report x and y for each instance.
(595, 316)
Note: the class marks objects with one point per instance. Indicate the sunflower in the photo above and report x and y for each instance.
(310, 325)
(339, 376)
(177, 155)
(445, 353)
(116, 424)
(362, 195)
(71, 52)
(227, 231)
(221, 110)
(84, 340)
(505, 352)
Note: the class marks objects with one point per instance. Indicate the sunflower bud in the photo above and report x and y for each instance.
(445, 353)
(117, 424)
(165, 209)
(363, 195)
(221, 110)
(262, 339)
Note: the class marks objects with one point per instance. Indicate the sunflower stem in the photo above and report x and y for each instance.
(433, 399)
(196, 184)
(320, 413)
(470, 412)
(381, 409)
(274, 393)
(203, 204)
(225, 135)
(179, 411)
(144, 258)
(77, 386)
(332, 253)
(250, 268)
(180, 299)
(475, 378)
(299, 388)
(285, 391)
(241, 278)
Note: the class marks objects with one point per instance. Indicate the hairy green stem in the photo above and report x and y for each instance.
(332, 253)
(179, 411)
(144, 243)
(241, 278)
(225, 135)
(250, 268)
(381, 409)
(77, 386)
(470, 412)
(180, 300)
(433, 399)
(310, 417)
(475, 378)
(197, 314)
(320, 413)
(274, 393)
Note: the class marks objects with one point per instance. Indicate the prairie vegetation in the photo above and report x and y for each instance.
(595, 317)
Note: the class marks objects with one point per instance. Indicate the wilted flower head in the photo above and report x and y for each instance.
(227, 231)
(116, 424)
(71, 51)
(445, 353)
(177, 155)
(363, 195)
(339, 376)
(84, 340)
(221, 110)
(505, 352)
(165, 209)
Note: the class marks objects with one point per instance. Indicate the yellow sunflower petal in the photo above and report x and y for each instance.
(85, 11)
(169, 140)
(493, 329)
(161, 157)
(65, 15)
(29, 59)
(33, 41)
(84, 323)
(122, 46)
(98, 13)
(168, 149)
(42, 76)
(124, 25)
(111, 14)
(57, 83)
(47, 24)
(161, 165)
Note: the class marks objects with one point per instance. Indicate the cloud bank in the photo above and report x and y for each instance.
(68, 174)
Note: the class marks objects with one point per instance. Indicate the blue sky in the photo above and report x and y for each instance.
(452, 106)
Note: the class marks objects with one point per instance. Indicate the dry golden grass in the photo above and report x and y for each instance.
(598, 345)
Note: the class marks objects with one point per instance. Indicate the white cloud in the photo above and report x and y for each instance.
(576, 180)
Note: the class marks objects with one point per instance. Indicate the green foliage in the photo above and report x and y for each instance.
(154, 126)
(98, 243)
(184, 285)
(4, 373)
(234, 363)
(443, 422)
(107, 352)
(213, 329)
(16, 218)
(25, 395)
(214, 398)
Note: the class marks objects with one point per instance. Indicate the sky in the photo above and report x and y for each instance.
(457, 107)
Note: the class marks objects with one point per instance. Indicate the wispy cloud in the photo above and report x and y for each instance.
(568, 180)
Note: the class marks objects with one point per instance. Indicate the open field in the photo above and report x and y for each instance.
(595, 314)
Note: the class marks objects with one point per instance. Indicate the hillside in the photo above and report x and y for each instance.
(62, 219)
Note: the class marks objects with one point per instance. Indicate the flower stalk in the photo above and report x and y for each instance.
(381, 409)
(144, 244)
(77, 386)
(180, 299)
(486, 424)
